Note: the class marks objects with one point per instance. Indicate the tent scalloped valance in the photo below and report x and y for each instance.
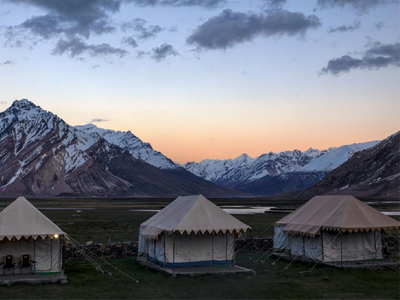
(335, 229)
(18, 237)
(170, 232)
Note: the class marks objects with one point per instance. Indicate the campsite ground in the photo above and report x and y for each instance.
(113, 220)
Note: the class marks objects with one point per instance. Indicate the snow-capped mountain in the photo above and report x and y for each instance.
(135, 146)
(334, 157)
(237, 173)
(245, 169)
(374, 172)
(42, 155)
(31, 137)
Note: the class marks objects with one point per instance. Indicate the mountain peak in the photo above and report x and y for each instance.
(23, 104)
(24, 110)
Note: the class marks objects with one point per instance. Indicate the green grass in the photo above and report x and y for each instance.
(271, 282)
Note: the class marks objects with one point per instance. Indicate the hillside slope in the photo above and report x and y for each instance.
(374, 172)
(42, 155)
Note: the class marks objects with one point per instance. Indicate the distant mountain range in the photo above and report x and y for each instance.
(40, 154)
(374, 172)
(274, 173)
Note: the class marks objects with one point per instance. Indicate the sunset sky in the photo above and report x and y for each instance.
(209, 78)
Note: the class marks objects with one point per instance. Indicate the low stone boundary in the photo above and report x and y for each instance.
(128, 248)
(111, 250)
(391, 246)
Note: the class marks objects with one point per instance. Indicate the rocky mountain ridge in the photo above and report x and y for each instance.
(42, 155)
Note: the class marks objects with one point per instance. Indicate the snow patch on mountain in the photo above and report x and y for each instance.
(335, 157)
(131, 143)
(28, 124)
(245, 169)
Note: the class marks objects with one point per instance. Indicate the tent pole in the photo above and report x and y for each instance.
(322, 246)
(164, 250)
(212, 247)
(60, 254)
(363, 243)
(341, 247)
(173, 254)
(226, 247)
(51, 250)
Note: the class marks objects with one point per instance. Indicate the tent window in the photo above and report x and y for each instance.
(314, 244)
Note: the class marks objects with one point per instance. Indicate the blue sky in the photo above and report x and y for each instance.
(211, 78)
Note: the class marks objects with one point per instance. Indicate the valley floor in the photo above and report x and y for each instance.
(114, 221)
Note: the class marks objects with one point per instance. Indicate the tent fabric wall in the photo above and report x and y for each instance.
(159, 250)
(352, 246)
(223, 247)
(281, 239)
(373, 245)
(313, 248)
(46, 252)
(48, 255)
(331, 246)
(143, 243)
(152, 250)
(184, 250)
(297, 245)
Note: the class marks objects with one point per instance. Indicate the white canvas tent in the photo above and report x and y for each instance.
(333, 228)
(25, 230)
(190, 231)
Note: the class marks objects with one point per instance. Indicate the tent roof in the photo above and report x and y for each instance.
(191, 214)
(22, 219)
(344, 213)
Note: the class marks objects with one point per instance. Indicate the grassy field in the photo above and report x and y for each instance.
(269, 283)
(114, 221)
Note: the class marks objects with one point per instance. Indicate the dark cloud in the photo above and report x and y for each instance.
(130, 41)
(173, 29)
(346, 28)
(98, 120)
(201, 3)
(360, 6)
(75, 47)
(5, 13)
(68, 21)
(379, 25)
(72, 17)
(7, 62)
(230, 28)
(162, 52)
(143, 32)
(375, 57)
(276, 4)
(140, 54)
(94, 67)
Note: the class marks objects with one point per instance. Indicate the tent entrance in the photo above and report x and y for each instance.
(190, 250)
(46, 252)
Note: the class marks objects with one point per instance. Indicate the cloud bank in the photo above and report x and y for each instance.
(375, 57)
(75, 47)
(346, 28)
(231, 28)
(359, 6)
(162, 52)
(210, 4)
